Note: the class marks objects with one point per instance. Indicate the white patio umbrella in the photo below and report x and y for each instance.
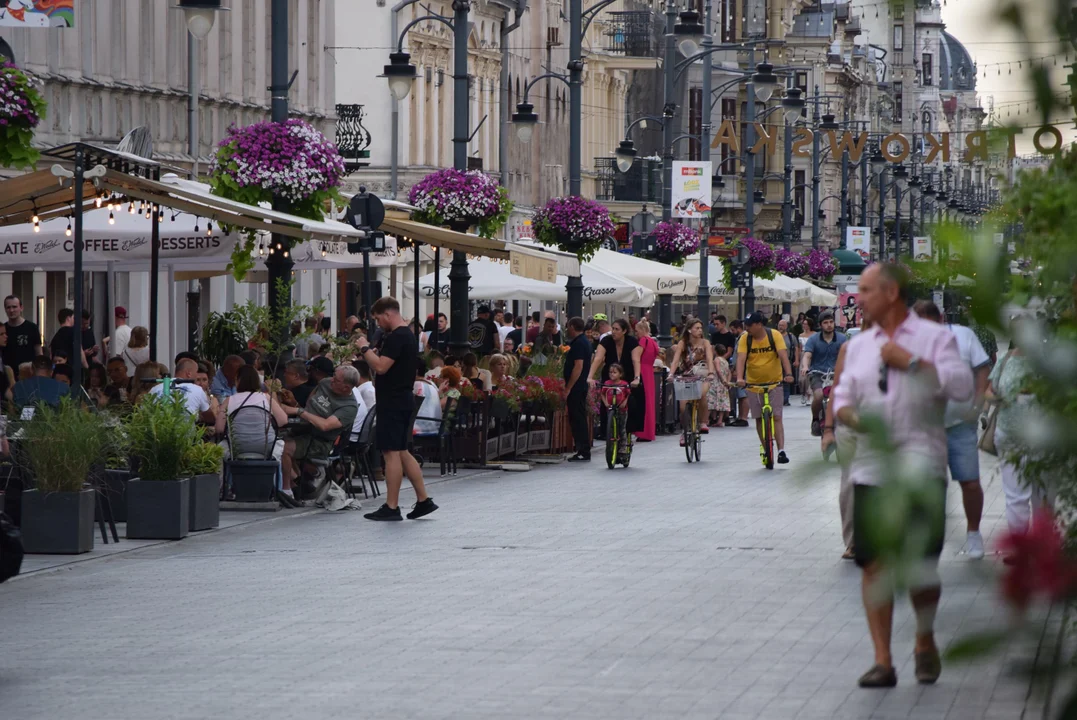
(491, 279)
(780, 289)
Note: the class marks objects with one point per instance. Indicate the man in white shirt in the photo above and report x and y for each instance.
(120, 339)
(505, 328)
(963, 454)
(430, 410)
(364, 396)
(194, 397)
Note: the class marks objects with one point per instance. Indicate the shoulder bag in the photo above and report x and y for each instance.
(987, 440)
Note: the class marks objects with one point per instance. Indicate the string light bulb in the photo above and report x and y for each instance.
(209, 228)
(68, 231)
(196, 225)
(160, 214)
(323, 250)
(37, 227)
(111, 218)
(131, 208)
(260, 250)
(98, 201)
(35, 219)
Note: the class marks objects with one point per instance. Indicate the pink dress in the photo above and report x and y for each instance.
(646, 364)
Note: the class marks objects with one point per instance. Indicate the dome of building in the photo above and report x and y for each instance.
(957, 72)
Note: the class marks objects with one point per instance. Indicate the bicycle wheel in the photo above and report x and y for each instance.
(697, 446)
(689, 440)
(768, 439)
(611, 441)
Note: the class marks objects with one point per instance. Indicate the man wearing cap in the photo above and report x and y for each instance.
(820, 358)
(318, 369)
(482, 333)
(115, 345)
(762, 359)
(602, 326)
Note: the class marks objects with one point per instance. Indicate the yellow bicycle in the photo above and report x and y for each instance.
(766, 449)
(689, 389)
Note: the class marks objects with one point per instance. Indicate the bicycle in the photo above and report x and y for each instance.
(617, 418)
(689, 389)
(766, 448)
(827, 380)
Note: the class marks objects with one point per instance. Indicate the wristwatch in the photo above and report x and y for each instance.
(914, 364)
(362, 350)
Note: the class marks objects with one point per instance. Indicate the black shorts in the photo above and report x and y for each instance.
(393, 429)
(880, 534)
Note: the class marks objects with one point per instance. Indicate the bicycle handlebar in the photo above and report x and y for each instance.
(763, 385)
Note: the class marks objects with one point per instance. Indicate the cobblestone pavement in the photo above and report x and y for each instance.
(660, 591)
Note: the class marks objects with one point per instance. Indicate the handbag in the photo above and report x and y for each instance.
(987, 440)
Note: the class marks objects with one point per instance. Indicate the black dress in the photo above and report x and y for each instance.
(636, 401)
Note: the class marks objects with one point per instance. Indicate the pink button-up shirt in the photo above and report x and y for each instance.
(912, 407)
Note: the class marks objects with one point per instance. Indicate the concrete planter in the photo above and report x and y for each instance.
(253, 480)
(205, 505)
(158, 510)
(59, 523)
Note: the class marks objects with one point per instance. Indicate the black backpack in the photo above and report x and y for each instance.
(770, 337)
(10, 548)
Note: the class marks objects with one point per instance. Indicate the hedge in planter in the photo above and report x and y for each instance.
(161, 433)
(61, 446)
(202, 464)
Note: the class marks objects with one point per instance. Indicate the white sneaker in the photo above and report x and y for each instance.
(974, 546)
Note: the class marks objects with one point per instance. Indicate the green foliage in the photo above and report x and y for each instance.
(63, 444)
(221, 337)
(202, 458)
(273, 330)
(487, 227)
(161, 432)
(242, 260)
(16, 136)
(973, 646)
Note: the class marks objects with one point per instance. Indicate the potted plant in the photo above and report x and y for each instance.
(673, 242)
(290, 164)
(202, 465)
(62, 445)
(821, 265)
(790, 263)
(460, 200)
(161, 432)
(573, 224)
(761, 259)
(21, 109)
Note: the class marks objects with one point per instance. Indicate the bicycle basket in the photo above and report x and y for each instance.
(688, 388)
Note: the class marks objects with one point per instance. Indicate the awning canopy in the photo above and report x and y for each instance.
(524, 260)
(780, 289)
(492, 280)
(659, 278)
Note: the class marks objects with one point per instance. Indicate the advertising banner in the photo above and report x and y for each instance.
(858, 239)
(849, 305)
(921, 248)
(691, 195)
(38, 13)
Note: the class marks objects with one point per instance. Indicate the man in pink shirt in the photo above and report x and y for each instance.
(901, 373)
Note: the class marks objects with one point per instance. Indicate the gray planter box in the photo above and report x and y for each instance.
(254, 480)
(114, 492)
(205, 510)
(158, 510)
(58, 523)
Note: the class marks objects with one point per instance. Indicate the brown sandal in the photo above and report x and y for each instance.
(849, 554)
(878, 677)
(928, 667)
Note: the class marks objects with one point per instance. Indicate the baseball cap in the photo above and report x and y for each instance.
(323, 365)
(120, 312)
(483, 309)
(756, 317)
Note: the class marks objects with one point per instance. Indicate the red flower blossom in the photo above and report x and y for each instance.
(1037, 563)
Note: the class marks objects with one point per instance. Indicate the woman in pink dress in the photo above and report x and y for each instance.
(646, 364)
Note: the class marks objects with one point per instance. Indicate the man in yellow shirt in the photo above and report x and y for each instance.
(762, 359)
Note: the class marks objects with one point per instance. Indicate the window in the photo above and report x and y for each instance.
(729, 112)
(799, 179)
(695, 121)
(927, 71)
(899, 112)
(726, 19)
(899, 37)
(802, 83)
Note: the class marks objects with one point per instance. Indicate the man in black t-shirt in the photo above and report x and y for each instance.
(62, 341)
(517, 333)
(23, 336)
(577, 364)
(482, 333)
(723, 336)
(394, 390)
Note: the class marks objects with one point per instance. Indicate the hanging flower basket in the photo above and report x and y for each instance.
(821, 264)
(761, 260)
(790, 263)
(460, 200)
(573, 224)
(290, 161)
(21, 109)
(673, 242)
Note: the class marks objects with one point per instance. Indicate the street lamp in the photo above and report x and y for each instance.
(878, 162)
(765, 81)
(625, 155)
(792, 105)
(400, 73)
(200, 15)
(525, 119)
(828, 123)
(758, 198)
(900, 173)
(688, 31)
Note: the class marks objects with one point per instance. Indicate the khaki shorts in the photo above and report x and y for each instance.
(755, 402)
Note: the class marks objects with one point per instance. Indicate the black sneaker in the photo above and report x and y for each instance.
(421, 508)
(580, 458)
(816, 429)
(782, 458)
(385, 513)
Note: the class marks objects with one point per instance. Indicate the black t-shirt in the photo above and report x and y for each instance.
(625, 361)
(724, 338)
(480, 335)
(302, 393)
(21, 341)
(395, 387)
(61, 341)
(517, 337)
(578, 349)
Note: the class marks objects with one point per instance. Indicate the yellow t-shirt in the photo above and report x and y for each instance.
(763, 364)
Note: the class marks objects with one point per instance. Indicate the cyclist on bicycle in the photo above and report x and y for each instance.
(694, 357)
(614, 396)
(820, 359)
(762, 358)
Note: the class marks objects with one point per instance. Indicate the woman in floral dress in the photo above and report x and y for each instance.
(720, 389)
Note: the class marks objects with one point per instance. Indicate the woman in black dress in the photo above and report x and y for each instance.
(621, 347)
